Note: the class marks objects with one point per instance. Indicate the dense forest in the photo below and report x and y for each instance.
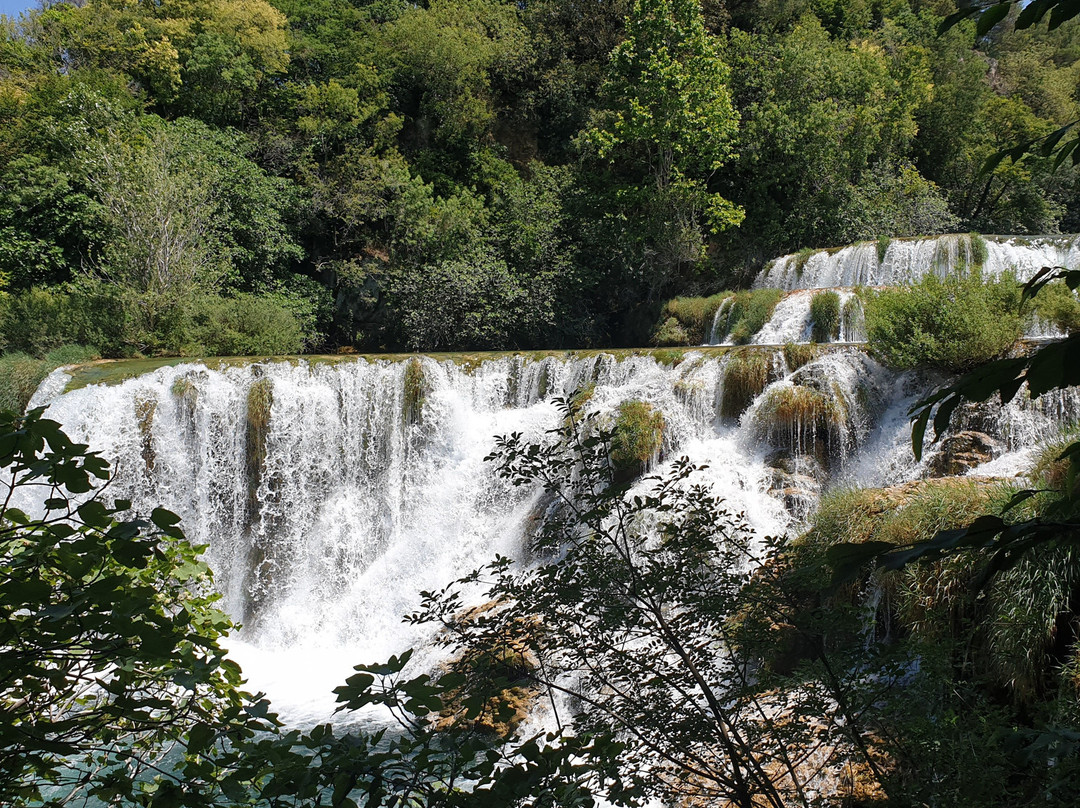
(245, 176)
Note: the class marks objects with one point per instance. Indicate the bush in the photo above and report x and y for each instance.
(687, 320)
(954, 323)
(244, 325)
(1056, 303)
(39, 320)
(825, 316)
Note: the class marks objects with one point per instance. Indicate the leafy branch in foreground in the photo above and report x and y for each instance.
(114, 686)
(624, 622)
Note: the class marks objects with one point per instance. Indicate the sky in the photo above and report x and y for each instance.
(14, 7)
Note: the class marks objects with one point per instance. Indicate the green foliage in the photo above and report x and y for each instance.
(89, 595)
(953, 323)
(979, 251)
(1057, 304)
(825, 316)
(40, 320)
(637, 437)
(853, 316)
(415, 391)
(669, 124)
(748, 313)
(243, 325)
(687, 320)
(20, 376)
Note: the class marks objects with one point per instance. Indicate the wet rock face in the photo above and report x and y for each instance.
(796, 481)
(962, 452)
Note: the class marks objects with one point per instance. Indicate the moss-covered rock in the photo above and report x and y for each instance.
(798, 354)
(686, 320)
(805, 420)
(415, 391)
(260, 400)
(499, 690)
(145, 409)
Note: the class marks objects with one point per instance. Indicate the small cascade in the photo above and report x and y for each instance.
(719, 327)
(905, 261)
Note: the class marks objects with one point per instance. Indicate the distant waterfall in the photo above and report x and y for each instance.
(905, 261)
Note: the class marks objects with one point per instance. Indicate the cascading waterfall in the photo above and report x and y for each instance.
(905, 261)
(902, 262)
(331, 493)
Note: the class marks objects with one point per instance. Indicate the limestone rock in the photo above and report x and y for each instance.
(962, 452)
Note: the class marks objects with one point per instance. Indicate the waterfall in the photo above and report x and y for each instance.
(905, 261)
(330, 493)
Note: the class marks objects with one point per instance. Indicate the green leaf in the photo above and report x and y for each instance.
(991, 17)
(847, 559)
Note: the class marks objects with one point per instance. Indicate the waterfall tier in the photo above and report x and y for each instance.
(905, 261)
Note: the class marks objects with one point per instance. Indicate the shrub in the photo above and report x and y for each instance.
(801, 257)
(637, 437)
(748, 313)
(415, 391)
(953, 323)
(825, 316)
(687, 320)
(244, 325)
(670, 332)
(1056, 303)
(39, 320)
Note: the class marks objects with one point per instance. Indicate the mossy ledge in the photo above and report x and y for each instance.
(637, 437)
(117, 371)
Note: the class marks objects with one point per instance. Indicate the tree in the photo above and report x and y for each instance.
(669, 127)
(624, 623)
(1049, 367)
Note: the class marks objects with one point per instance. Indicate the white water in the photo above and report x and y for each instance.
(322, 547)
(905, 261)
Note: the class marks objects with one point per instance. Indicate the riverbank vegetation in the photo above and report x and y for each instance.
(225, 177)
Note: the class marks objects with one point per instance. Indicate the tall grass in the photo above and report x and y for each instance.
(825, 316)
